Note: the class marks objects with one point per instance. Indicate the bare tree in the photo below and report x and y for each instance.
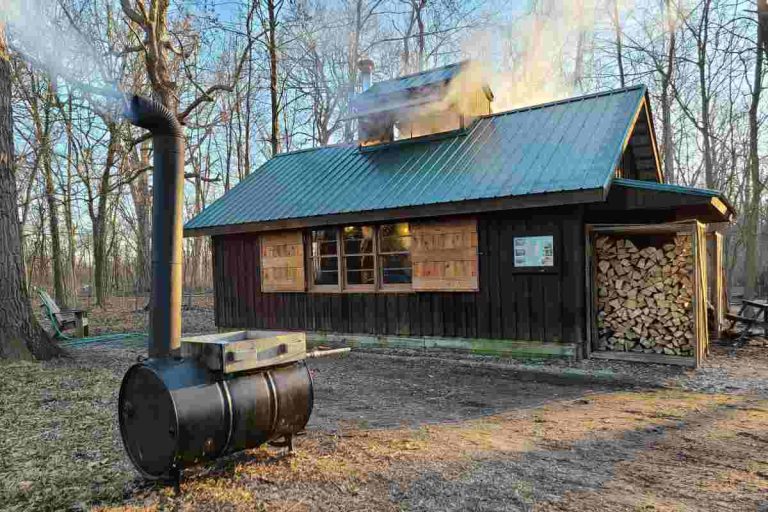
(752, 224)
(20, 334)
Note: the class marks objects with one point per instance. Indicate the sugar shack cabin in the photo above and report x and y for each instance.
(541, 231)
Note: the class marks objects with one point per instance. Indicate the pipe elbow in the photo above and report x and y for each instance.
(151, 115)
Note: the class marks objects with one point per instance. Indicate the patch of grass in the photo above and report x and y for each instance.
(333, 467)
(408, 444)
(672, 413)
(480, 433)
(758, 467)
(524, 491)
(57, 437)
(716, 434)
(422, 434)
(650, 504)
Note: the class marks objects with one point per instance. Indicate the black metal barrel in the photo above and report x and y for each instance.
(173, 413)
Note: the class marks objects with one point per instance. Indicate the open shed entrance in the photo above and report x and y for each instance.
(648, 291)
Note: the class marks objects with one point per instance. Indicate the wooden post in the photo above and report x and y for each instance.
(81, 323)
(715, 278)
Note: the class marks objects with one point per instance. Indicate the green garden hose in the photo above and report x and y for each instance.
(70, 342)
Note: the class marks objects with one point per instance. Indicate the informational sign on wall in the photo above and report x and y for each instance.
(534, 251)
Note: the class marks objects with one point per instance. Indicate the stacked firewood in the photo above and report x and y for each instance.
(645, 296)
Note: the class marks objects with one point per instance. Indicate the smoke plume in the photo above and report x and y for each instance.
(40, 31)
(540, 56)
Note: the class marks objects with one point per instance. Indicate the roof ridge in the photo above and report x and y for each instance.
(307, 150)
(572, 99)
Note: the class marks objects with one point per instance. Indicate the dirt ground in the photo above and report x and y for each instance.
(418, 432)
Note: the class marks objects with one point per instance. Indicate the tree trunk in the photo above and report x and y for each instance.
(704, 94)
(68, 220)
(352, 58)
(406, 56)
(99, 220)
(228, 160)
(247, 137)
(666, 102)
(619, 50)
(273, 90)
(142, 202)
(59, 288)
(421, 39)
(21, 337)
(752, 227)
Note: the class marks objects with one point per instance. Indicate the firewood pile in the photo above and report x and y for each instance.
(645, 296)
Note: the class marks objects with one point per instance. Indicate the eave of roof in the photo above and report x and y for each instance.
(467, 207)
(675, 189)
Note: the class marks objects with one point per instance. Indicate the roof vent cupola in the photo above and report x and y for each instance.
(440, 100)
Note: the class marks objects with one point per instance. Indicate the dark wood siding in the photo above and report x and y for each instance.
(510, 304)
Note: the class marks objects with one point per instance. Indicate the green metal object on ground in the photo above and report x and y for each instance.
(104, 338)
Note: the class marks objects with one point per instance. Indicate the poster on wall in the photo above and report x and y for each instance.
(534, 251)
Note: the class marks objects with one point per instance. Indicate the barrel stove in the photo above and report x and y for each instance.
(199, 398)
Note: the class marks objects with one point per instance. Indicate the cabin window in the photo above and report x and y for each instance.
(395, 255)
(359, 269)
(324, 255)
(361, 258)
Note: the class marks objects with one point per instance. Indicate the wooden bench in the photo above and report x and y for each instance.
(66, 319)
(749, 316)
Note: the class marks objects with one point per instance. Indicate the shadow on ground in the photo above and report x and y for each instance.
(374, 392)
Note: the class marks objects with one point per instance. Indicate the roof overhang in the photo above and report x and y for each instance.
(684, 203)
(550, 199)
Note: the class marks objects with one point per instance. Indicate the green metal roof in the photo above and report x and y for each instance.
(568, 145)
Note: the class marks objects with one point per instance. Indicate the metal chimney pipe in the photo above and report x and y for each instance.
(167, 223)
(366, 69)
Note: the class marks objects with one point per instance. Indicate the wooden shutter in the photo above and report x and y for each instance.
(444, 255)
(282, 262)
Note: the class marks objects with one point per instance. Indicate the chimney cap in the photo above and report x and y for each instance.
(365, 65)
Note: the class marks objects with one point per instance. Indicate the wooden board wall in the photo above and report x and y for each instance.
(715, 273)
(508, 305)
(444, 255)
(282, 262)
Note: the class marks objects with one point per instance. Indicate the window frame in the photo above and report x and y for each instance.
(343, 286)
(402, 287)
(310, 262)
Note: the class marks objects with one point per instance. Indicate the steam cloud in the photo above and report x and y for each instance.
(535, 59)
(39, 30)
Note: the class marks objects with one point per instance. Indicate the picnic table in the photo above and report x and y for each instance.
(752, 314)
